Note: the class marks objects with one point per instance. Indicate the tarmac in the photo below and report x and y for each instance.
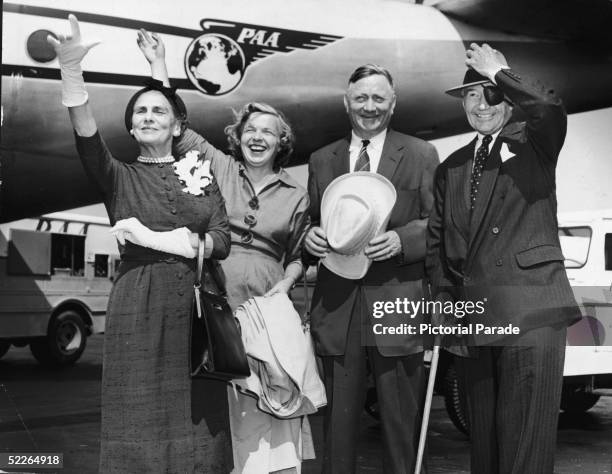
(43, 410)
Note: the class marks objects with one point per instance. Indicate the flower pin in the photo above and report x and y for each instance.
(193, 173)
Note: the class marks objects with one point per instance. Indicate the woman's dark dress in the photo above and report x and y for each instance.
(155, 419)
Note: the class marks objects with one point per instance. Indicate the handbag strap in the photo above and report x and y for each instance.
(199, 280)
(213, 271)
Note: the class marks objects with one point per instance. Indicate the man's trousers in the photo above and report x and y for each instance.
(513, 397)
(400, 383)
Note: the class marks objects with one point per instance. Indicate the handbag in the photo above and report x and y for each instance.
(216, 348)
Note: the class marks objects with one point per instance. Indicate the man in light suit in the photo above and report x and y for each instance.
(492, 237)
(341, 305)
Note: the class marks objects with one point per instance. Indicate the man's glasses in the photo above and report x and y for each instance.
(251, 221)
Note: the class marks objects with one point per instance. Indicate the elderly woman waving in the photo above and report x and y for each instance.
(154, 418)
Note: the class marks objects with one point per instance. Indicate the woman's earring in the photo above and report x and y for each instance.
(132, 131)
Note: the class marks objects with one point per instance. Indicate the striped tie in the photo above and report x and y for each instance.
(363, 161)
(479, 162)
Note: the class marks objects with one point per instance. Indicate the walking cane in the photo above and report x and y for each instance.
(428, 398)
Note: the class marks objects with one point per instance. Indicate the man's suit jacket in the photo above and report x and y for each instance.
(507, 250)
(409, 163)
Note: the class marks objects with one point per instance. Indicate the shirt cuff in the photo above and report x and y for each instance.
(491, 73)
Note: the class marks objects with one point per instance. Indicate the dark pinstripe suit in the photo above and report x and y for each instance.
(507, 250)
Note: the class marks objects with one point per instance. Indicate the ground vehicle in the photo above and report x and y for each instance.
(586, 241)
(55, 278)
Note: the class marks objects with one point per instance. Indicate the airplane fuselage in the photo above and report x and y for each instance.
(296, 56)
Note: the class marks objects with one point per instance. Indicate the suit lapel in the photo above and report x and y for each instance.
(459, 190)
(341, 163)
(391, 156)
(485, 190)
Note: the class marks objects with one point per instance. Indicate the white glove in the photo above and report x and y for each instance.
(175, 241)
(70, 52)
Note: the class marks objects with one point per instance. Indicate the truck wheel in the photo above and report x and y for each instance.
(575, 399)
(4, 348)
(454, 400)
(65, 342)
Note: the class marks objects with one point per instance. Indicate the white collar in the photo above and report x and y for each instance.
(480, 136)
(377, 141)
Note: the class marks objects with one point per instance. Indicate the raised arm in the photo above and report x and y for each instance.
(544, 112)
(70, 51)
(154, 51)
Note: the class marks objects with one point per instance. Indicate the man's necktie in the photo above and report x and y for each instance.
(479, 162)
(363, 161)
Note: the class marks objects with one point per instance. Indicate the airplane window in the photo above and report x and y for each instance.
(575, 243)
(38, 47)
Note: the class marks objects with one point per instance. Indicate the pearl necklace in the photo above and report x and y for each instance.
(161, 159)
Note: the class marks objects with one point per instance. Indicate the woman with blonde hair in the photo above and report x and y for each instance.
(268, 217)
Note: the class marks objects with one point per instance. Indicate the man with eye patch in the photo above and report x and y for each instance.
(492, 237)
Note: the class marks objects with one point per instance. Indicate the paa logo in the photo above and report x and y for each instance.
(216, 61)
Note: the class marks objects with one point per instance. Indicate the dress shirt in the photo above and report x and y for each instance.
(375, 148)
(479, 138)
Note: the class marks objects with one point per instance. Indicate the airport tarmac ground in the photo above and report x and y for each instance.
(43, 410)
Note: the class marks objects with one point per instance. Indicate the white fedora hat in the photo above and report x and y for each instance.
(355, 208)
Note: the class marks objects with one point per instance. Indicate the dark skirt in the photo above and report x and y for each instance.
(155, 419)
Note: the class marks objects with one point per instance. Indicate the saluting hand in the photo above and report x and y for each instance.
(71, 49)
(485, 60)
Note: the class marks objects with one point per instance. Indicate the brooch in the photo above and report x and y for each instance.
(193, 173)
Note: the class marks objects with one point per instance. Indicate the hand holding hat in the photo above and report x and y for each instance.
(384, 247)
(355, 210)
(316, 242)
(485, 60)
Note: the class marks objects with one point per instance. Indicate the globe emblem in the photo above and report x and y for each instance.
(214, 64)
